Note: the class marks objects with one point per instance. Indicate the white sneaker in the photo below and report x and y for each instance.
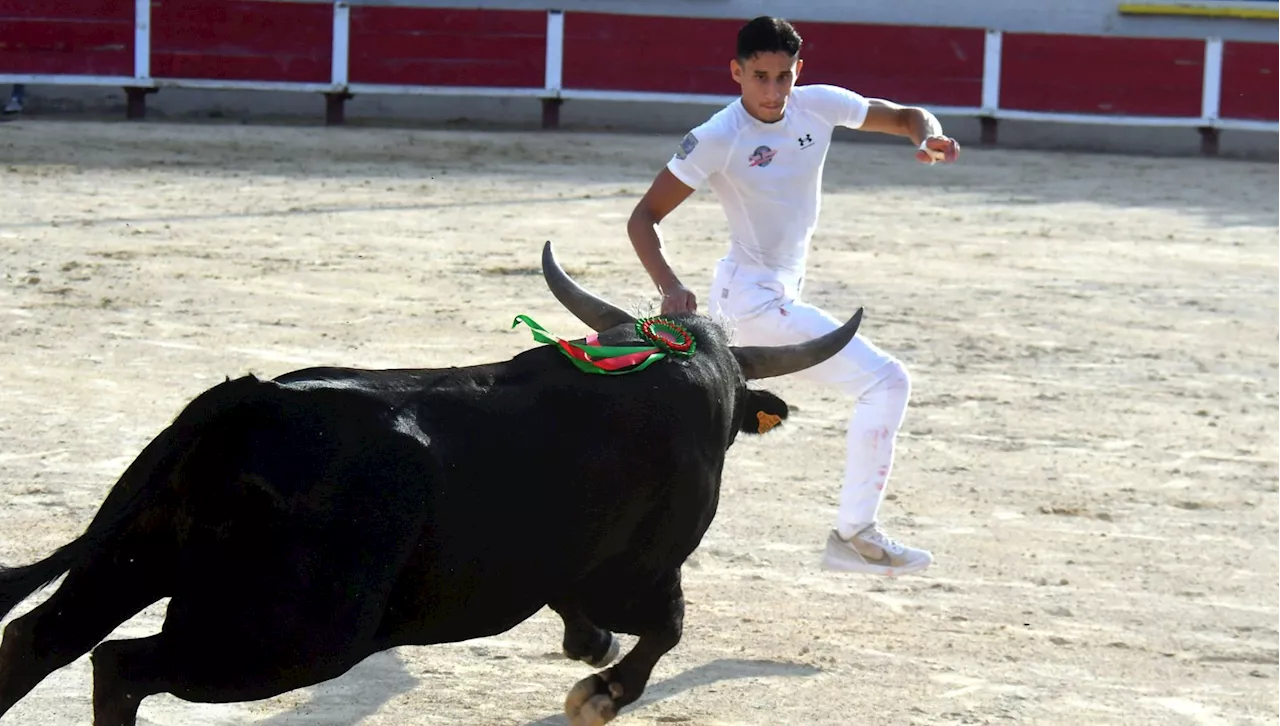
(872, 552)
(14, 106)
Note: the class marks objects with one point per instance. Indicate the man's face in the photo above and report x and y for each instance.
(766, 80)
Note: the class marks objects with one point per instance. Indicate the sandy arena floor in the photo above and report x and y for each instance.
(1091, 452)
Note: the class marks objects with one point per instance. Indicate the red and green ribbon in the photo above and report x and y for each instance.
(610, 360)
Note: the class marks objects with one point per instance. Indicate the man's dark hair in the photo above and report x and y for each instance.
(767, 35)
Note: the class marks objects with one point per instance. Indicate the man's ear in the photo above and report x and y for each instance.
(735, 70)
(762, 412)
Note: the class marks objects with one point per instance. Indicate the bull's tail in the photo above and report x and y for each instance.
(16, 583)
(137, 488)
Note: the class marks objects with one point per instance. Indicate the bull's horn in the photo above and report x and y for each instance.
(595, 312)
(780, 360)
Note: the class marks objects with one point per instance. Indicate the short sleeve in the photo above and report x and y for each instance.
(838, 106)
(702, 153)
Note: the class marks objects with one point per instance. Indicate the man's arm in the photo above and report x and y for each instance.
(915, 123)
(664, 195)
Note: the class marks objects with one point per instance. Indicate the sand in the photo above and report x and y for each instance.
(1091, 450)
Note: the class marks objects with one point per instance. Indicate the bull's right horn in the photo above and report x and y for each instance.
(780, 360)
(596, 312)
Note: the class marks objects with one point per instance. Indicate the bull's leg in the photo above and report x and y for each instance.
(90, 603)
(583, 640)
(657, 616)
(124, 673)
(213, 665)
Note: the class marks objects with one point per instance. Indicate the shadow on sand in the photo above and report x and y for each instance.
(714, 672)
(381, 677)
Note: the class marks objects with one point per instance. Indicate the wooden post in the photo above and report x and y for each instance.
(335, 108)
(551, 112)
(1209, 140)
(136, 102)
(990, 129)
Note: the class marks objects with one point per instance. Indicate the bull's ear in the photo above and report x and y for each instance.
(763, 411)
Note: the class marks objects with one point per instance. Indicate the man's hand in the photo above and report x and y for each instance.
(938, 148)
(913, 122)
(679, 299)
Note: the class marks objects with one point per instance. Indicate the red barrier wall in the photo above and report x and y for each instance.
(435, 47)
(669, 55)
(1249, 81)
(939, 66)
(1097, 75)
(73, 37)
(242, 40)
(615, 52)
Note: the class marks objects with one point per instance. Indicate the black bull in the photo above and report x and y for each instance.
(301, 524)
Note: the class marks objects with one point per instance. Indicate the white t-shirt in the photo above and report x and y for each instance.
(768, 176)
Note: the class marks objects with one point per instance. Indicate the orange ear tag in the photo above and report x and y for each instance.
(767, 420)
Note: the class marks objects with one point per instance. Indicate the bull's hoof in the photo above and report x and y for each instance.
(610, 653)
(591, 701)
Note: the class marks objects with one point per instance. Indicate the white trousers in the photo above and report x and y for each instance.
(763, 307)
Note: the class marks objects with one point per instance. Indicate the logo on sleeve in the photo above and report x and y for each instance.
(806, 141)
(761, 156)
(687, 145)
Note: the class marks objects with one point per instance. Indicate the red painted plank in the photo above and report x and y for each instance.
(1102, 75)
(214, 66)
(67, 10)
(242, 40)
(909, 64)
(434, 47)
(46, 35)
(1249, 81)
(924, 65)
(369, 19)
(417, 45)
(90, 48)
(616, 53)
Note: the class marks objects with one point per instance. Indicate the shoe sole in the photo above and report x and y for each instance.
(865, 568)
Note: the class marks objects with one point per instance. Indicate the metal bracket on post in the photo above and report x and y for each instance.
(136, 102)
(554, 78)
(335, 108)
(551, 112)
(1209, 138)
(990, 127)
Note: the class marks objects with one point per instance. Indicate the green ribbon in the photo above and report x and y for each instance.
(609, 360)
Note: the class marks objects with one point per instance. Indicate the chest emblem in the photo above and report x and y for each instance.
(762, 156)
(806, 141)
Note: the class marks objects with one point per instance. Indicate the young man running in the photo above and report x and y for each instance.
(763, 156)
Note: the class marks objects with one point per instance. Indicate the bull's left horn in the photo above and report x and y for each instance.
(598, 314)
(780, 360)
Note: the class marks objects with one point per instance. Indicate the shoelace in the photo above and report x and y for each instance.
(883, 541)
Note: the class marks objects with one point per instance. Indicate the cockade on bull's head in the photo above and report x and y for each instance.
(663, 337)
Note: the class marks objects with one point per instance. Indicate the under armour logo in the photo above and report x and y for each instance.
(806, 141)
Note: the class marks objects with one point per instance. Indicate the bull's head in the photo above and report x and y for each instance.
(756, 362)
